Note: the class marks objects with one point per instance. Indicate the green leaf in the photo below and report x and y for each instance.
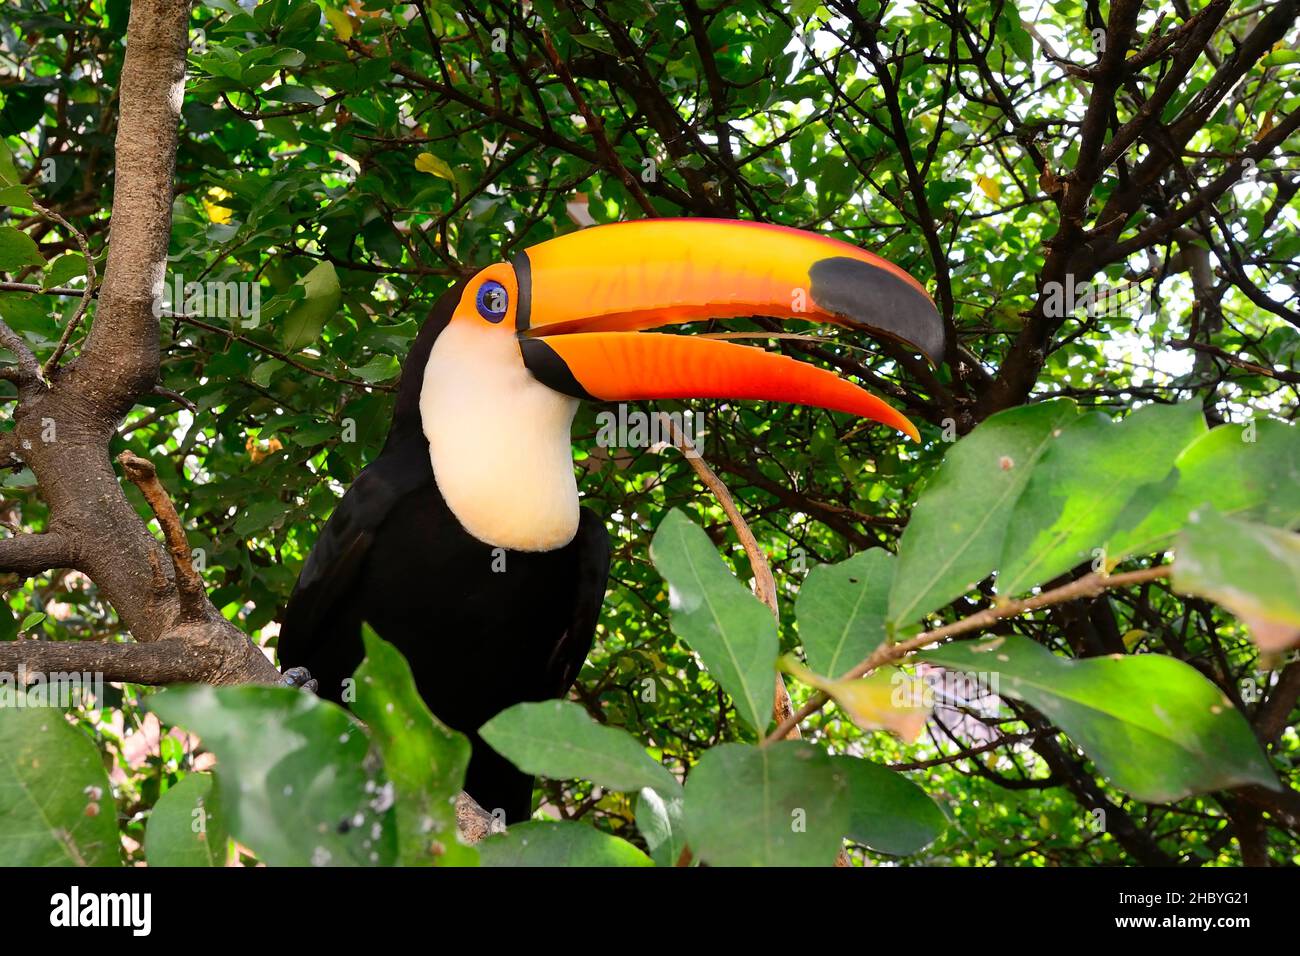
(9, 175)
(259, 515)
(1011, 27)
(381, 368)
(560, 740)
(290, 774)
(64, 269)
(558, 843)
(186, 828)
(8, 622)
(1251, 569)
(841, 610)
(801, 10)
(1281, 58)
(56, 805)
(1257, 479)
(264, 370)
(889, 813)
(17, 249)
(1153, 725)
(16, 195)
(1081, 484)
(660, 823)
(321, 297)
(954, 536)
(786, 804)
(731, 630)
(423, 759)
(294, 94)
(31, 620)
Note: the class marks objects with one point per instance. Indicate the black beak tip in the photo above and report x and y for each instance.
(878, 301)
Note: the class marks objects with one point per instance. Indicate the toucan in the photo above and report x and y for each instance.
(463, 543)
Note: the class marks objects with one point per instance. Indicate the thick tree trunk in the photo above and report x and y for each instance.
(64, 423)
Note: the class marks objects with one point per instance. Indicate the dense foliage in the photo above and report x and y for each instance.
(1098, 237)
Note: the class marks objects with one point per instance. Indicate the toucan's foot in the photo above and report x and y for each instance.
(299, 677)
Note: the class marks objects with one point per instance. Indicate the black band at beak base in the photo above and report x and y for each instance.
(551, 370)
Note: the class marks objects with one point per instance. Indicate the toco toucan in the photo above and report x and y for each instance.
(463, 543)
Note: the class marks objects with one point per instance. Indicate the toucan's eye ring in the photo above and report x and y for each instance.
(493, 300)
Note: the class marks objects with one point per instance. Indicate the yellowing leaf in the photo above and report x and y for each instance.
(1133, 638)
(886, 700)
(259, 451)
(1251, 569)
(989, 187)
(431, 164)
(358, 10)
(217, 213)
(341, 23)
(1266, 126)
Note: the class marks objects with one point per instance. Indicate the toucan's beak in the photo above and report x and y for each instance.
(578, 296)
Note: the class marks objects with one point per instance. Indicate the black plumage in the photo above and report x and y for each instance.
(483, 628)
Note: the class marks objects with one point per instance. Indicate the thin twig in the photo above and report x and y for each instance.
(764, 583)
(1090, 585)
(163, 392)
(53, 361)
(275, 353)
(29, 369)
(36, 287)
(596, 128)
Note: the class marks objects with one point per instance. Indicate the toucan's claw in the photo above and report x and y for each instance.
(299, 677)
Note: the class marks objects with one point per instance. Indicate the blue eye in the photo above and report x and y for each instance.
(492, 301)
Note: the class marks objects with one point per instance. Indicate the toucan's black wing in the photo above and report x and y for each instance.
(592, 543)
(320, 621)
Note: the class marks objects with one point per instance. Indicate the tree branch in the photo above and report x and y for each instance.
(1090, 585)
(764, 583)
(144, 476)
(32, 554)
(161, 662)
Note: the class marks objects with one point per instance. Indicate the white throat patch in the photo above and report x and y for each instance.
(499, 441)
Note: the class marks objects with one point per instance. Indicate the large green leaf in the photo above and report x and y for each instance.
(889, 813)
(424, 760)
(558, 843)
(56, 806)
(841, 610)
(290, 775)
(1081, 484)
(954, 536)
(1153, 725)
(64, 269)
(186, 826)
(321, 297)
(734, 634)
(560, 740)
(17, 249)
(1257, 479)
(660, 823)
(786, 804)
(1251, 569)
